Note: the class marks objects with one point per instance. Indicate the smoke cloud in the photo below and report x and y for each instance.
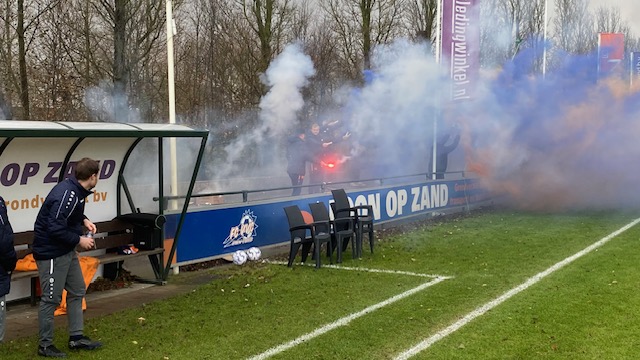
(107, 104)
(286, 77)
(562, 141)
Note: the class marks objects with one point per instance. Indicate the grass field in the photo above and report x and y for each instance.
(489, 285)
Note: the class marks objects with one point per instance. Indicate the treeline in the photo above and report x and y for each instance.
(79, 60)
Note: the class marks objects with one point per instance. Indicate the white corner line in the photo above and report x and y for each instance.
(343, 321)
(423, 345)
(380, 271)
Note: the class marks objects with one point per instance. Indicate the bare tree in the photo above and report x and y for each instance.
(269, 20)
(573, 26)
(608, 20)
(21, 27)
(137, 27)
(421, 16)
(55, 95)
(9, 79)
(360, 25)
(205, 72)
(515, 25)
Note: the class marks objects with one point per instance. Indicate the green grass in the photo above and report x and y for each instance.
(586, 310)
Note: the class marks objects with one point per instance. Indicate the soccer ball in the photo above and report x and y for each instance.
(239, 257)
(254, 253)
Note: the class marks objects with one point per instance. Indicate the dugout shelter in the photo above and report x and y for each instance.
(36, 155)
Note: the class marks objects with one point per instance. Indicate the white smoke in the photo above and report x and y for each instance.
(107, 104)
(286, 77)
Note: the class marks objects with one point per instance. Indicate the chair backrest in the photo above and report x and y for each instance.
(341, 201)
(320, 214)
(295, 218)
(343, 220)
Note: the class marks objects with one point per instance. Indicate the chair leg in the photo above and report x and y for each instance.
(345, 244)
(330, 250)
(306, 247)
(334, 244)
(371, 238)
(354, 251)
(292, 253)
(359, 240)
(316, 252)
(339, 241)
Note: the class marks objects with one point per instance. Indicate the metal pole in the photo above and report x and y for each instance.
(544, 42)
(172, 102)
(438, 61)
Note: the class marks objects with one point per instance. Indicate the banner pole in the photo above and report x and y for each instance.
(172, 103)
(439, 62)
(544, 41)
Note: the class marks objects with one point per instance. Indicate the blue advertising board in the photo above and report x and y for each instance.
(213, 232)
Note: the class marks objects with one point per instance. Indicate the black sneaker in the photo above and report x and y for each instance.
(50, 351)
(84, 343)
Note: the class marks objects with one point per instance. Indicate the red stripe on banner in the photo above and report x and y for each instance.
(610, 53)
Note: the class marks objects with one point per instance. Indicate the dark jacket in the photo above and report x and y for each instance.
(314, 143)
(8, 257)
(58, 226)
(298, 153)
(442, 154)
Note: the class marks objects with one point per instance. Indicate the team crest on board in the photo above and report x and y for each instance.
(244, 232)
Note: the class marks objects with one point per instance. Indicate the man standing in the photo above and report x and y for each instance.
(298, 154)
(57, 232)
(318, 145)
(442, 154)
(8, 261)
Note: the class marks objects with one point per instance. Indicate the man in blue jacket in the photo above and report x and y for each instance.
(442, 153)
(8, 261)
(298, 154)
(57, 233)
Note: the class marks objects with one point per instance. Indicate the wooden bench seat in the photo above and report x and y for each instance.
(111, 236)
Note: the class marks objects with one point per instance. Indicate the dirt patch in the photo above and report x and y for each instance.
(124, 279)
(204, 265)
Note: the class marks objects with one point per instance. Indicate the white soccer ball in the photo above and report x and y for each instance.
(254, 253)
(239, 257)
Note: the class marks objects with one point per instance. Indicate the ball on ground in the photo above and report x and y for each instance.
(254, 253)
(239, 257)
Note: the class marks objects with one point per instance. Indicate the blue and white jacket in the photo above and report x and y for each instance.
(58, 226)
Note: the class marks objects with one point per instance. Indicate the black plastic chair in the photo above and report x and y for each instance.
(305, 235)
(341, 230)
(348, 222)
(362, 216)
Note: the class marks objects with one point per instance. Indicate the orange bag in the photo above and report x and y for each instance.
(27, 263)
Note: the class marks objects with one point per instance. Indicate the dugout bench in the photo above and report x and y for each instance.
(142, 230)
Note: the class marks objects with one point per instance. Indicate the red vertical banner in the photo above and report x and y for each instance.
(461, 45)
(610, 53)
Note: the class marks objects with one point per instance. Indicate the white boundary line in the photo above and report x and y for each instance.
(395, 272)
(423, 345)
(347, 319)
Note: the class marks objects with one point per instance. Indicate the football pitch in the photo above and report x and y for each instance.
(497, 284)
